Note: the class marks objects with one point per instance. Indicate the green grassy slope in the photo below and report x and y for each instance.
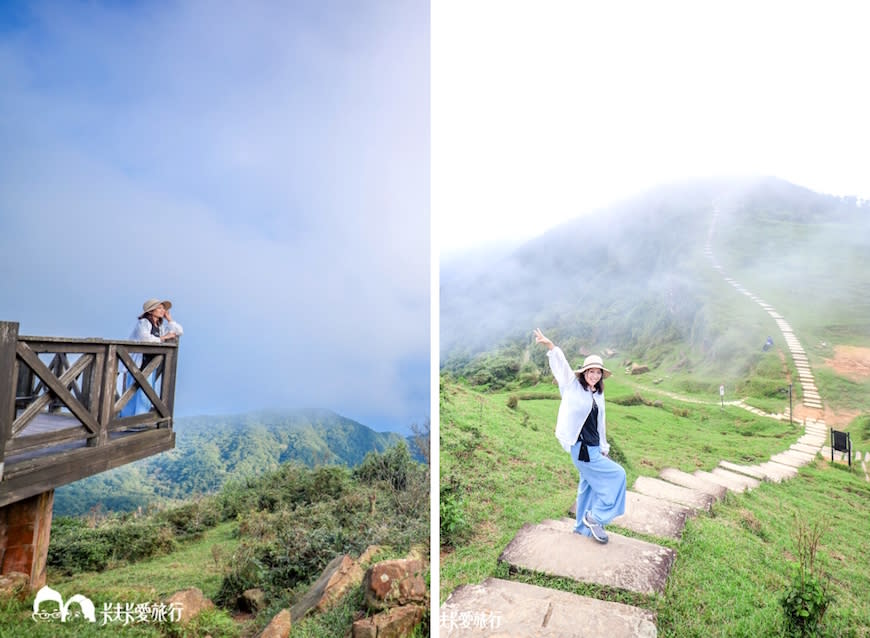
(731, 567)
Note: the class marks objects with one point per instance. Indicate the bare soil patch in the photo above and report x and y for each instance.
(852, 362)
(832, 418)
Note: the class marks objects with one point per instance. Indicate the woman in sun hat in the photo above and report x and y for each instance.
(580, 429)
(154, 325)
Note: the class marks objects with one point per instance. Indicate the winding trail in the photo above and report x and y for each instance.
(656, 507)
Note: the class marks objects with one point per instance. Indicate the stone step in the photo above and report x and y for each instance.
(750, 482)
(777, 472)
(504, 608)
(733, 482)
(790, 457)
(806, 449)
(749, 470)
(552, 547)
(813, 440)
(668, 491)
(648, 515)
(678, 477)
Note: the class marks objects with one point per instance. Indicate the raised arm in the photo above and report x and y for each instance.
(173, 328)
(540, 338)
(559, 365)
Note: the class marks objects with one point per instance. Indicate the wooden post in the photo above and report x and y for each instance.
(8, 384)
(170, 364)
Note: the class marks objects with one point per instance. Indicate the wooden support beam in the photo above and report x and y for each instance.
(25, 529)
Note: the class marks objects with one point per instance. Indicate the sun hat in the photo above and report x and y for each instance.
(151, 304)
(594, 361)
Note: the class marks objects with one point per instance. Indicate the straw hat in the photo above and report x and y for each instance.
(151, 304)
(594, 361)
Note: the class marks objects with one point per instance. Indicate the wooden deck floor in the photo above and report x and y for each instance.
(45, 423)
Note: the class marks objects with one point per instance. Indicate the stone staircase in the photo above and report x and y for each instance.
(655, 507)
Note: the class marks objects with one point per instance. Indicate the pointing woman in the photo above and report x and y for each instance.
(580, 428)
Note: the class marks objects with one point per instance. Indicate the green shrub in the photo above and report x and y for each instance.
(454, 526)
(192, 519)
(385, 501)
(805, 602)
(629, 400)
(393, 466)
(76, 547)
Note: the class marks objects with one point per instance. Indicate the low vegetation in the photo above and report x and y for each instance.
(275, 532)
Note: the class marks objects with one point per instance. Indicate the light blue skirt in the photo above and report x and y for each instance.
(140, 403)
(601, 490)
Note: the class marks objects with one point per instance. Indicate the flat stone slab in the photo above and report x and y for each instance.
(777, 472)
(653, 516)
(814, 440)
(670, 492)
(648, 515)
(789, 457)
(749, 470)
(731, 481)
(750, 482)
(553, 548)
(806, 449)
(504, 609)
(678, 477)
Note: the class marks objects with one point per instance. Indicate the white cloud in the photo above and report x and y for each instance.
(542, 114)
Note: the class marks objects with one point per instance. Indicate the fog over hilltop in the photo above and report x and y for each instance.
(635, 275)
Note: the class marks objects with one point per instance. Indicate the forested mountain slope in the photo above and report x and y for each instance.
(213, 449)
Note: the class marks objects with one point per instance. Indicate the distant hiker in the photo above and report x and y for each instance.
(767, 344)
(722, 394)
(154, 325)
(580, 429)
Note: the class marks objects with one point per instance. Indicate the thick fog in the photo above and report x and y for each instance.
(635, 275)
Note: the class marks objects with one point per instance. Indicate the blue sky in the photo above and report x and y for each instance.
(264, 165)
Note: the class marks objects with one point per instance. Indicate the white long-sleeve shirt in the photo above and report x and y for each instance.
(142, 330)
(576, 403)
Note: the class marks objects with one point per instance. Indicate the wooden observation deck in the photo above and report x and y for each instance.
(60, 413)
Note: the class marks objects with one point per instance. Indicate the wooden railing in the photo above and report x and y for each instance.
(61, 402)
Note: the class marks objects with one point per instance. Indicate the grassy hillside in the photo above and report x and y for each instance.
(501, 467)
(213, 449)
(275, 532)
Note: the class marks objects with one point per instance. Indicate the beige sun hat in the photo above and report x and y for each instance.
(594, 361)
(151, 304)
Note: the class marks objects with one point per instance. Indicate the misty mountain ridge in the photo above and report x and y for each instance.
(636, 276)
(211, 450)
